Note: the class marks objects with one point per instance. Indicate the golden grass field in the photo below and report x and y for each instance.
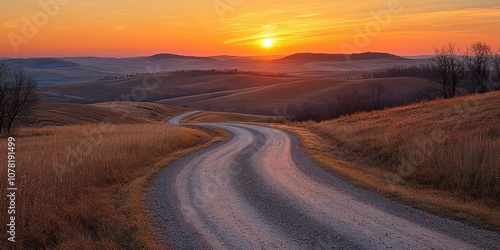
(441, 156)
(80, 186)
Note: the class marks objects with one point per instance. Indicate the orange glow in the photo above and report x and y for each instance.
(130, 28)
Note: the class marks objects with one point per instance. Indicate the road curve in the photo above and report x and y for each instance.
(177, 119)
(256, 190)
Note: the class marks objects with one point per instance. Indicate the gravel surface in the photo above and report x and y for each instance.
(256, 190)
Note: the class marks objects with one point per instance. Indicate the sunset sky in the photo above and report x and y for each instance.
(242, 27)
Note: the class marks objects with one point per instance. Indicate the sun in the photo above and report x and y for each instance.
(267, 43)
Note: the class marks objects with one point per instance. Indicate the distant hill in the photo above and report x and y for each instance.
(319, 57)
(40, 63)
(51, 71)
(166, 56)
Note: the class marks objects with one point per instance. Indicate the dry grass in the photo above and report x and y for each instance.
(206, 116)
(52, 113)
(441, 156)
(80, 185)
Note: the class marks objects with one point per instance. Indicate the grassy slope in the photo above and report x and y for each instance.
(233, 93)
(269, 99)
(298, 91)
(85, 182)
(207, 116)
(155, 87)
(52, 113)
(441, 156)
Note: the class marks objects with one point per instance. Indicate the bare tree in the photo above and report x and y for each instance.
(18, 96)
(375, 92)
(448, 68)
(479, 57)
(5, 78)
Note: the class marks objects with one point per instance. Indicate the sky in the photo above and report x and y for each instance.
(120, 28)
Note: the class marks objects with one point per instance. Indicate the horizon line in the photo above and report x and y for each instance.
(201, 56)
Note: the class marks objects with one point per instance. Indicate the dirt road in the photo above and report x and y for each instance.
(256, 190)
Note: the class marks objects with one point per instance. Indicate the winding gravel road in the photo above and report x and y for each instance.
(256, 190)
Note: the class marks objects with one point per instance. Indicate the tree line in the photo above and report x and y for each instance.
(450, 68)
(421, 71)
(207, 71)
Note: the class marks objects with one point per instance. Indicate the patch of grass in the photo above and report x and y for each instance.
(80, 186)
(207, 116)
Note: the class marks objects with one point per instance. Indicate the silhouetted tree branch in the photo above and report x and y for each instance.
(478, 58)
(496, 65)
(18, 95)
(449, 69)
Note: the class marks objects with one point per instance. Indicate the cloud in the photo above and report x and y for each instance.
(308, 15)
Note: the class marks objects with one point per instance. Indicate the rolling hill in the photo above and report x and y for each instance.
(53, 71)
(302, 58)
(58, 114)
(239, 92)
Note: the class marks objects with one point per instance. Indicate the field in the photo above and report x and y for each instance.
(440, 155)
(207, 116)
(52, 113)
(243, 93)
(81, 185)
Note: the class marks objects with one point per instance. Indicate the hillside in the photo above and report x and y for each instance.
(441, 155)
(246, 93)
(40, 63)
(67, 70)
(317, 57)
(204, 117)
(51, 113)
(167, 56)
(153, 88)
(268, 99)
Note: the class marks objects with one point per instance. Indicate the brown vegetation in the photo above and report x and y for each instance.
(268, 100)
(441, 156)
(207, 116)
(52, 113)
(79, 185)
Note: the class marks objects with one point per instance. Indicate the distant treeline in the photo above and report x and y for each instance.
(202, 71)
(350, 103)
(422, 71)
